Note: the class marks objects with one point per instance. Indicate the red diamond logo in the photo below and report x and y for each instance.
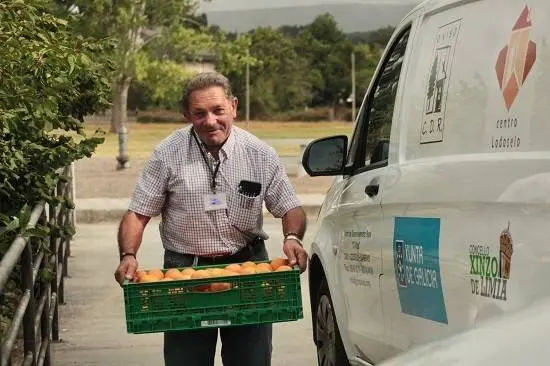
(516, 60)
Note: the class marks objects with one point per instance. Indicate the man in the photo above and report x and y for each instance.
(209, 181)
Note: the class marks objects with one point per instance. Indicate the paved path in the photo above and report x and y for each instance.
(92, 324)
(93, 210)
(312, 199)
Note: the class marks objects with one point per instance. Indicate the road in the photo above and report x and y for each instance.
(92, 323)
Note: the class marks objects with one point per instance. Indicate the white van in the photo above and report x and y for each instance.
(518, 338)
(439, 214)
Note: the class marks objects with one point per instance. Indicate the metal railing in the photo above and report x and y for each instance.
(37, 313)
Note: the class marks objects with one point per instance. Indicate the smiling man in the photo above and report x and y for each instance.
(209, 181)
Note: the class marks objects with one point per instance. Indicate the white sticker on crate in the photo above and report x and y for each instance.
(215, 323)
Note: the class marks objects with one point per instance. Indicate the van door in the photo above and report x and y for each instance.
(359, 212)
(467, 216)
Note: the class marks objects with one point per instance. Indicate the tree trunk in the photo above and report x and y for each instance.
(120, 103)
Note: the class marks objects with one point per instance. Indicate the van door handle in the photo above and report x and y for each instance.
(372, 189)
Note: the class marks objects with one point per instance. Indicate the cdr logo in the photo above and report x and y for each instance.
(516, 60)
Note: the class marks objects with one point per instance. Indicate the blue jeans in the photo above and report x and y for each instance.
(248, 345)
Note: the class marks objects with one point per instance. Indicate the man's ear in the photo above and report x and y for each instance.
(234, 104)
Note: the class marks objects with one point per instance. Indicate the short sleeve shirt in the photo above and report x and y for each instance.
(175, 180)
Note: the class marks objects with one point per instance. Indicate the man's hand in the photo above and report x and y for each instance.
(296, 254)
(130, 233)
(126, 269)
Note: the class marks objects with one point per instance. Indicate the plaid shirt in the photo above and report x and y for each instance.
(175, 180)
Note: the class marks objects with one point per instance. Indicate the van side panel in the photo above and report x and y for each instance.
(467, 201)
(484, 84)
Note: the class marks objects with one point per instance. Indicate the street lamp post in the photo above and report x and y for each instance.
(123, 158)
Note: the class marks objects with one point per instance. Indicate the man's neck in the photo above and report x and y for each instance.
(213, 150)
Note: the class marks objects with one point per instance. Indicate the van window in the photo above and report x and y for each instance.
(375, 116)
(380, 114)
(353, 146)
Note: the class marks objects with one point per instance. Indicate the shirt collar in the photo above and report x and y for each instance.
(226, 151)
(227, 148)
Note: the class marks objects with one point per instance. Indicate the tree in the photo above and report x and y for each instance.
(329, 51)
(165, 78)
(279, 78)
(281, 64)
(379, 37)
(50, 78)
(431, 86)
(291, 31)
(134, 24)
(232, 55)
(367, 57)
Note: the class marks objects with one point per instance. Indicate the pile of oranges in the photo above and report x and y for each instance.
(235, 269)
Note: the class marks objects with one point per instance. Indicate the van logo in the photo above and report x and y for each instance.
(437, 83)
(490, 269)
(417, 269)
(516, 59)
(400, 263)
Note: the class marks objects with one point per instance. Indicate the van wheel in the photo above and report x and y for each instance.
(330, 349)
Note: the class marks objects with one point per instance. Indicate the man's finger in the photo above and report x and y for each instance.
(131, 270)
(126, 270)
(119, 275)
(291, 255)
(302, 260)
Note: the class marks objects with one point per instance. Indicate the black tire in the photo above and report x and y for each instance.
(330, 349)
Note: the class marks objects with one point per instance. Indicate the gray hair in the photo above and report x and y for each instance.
(205, 80)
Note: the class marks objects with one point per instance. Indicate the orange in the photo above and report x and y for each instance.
(140, 273)
(263, 268)
(228, 273)
(201, 273)
(216, 272)
(219, 286)
(188, 271)
(173, 273)
(178, 276)
(283, 268)
(234, 268)
(248, 270)
(156, 273)
(248, 264)
(168, 279)
(148, 278)
(277, 262)
(202, 288)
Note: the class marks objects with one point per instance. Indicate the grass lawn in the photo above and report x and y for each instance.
(142, 138)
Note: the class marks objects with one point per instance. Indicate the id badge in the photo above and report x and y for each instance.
(216, 201)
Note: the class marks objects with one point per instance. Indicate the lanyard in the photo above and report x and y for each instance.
(214, 172)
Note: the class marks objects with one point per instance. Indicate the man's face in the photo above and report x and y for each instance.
(211, 112)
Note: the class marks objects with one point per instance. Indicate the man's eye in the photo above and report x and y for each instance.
(219, 111)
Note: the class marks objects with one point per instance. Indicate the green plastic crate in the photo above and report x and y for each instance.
(177, 305)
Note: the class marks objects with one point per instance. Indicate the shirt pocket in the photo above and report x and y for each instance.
(245, 212)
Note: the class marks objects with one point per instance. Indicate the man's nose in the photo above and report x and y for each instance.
(210, 118)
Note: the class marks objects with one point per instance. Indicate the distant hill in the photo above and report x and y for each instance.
(350, 17)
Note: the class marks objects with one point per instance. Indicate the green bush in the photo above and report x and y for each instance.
(49, 80)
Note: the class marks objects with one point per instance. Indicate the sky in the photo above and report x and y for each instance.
(218, 5)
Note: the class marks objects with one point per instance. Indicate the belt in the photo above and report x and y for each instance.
(242, 255)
